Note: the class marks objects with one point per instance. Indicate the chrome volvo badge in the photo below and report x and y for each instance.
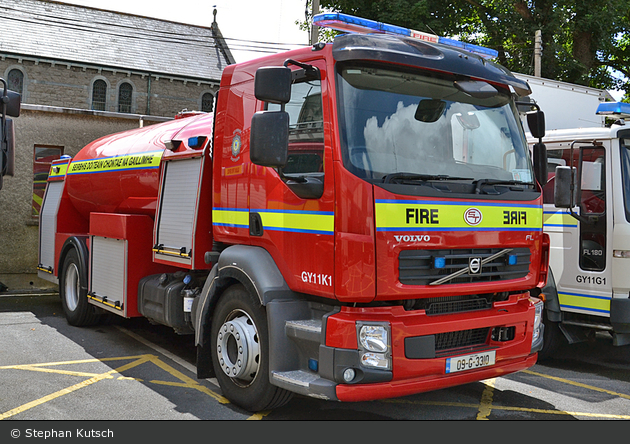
(474, 265)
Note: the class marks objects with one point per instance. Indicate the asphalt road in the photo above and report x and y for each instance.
(130, 370)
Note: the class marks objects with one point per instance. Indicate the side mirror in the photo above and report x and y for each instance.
(273, 84)
(536, 123)
(540, 163)
(563, 194)
(12, 101)
(9, 106)
(269, 139)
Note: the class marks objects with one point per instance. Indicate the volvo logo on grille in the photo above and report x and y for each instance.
(474, 265)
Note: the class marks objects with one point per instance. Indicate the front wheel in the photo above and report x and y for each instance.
(73, 292)
(553, 339)
(240, 352)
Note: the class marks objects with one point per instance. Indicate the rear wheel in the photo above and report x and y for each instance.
(240, 352)
(73, 293)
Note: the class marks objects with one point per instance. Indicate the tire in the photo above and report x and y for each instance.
(240, 352)
(79, 312)
(553, 339)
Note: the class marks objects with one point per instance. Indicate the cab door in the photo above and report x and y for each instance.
(292, 208)
(580, 247)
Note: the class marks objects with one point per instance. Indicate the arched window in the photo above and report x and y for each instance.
(207, 102)
(15, 81)
(99, 95)
(124, 97)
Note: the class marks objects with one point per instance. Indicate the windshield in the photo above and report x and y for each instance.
(409, 126)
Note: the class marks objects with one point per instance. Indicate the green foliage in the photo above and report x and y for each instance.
(584, 41)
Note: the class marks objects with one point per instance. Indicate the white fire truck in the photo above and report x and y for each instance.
(586, 215)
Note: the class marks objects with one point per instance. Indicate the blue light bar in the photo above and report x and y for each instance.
(349, 23)
(614, 109)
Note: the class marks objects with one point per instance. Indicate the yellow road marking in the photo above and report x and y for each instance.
(65, 391)
(189, 382)
(485, 408)
(258, 416)
(93, 378)
(507, 408)
(577, 384)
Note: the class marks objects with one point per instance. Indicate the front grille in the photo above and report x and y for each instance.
(455, 304)
(459, 339)
(416, 267)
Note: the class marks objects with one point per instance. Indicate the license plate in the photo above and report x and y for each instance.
(470, 362)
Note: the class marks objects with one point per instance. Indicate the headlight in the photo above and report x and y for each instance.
(376, 360)
(374, 338)
(374, 345)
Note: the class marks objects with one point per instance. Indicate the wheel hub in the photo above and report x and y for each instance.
(72, 287)
(238, 348)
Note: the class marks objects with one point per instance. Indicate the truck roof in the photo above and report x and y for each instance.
(562, 138)
(423, 54)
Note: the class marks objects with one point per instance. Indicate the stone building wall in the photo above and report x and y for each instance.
(69, 128)
(69, 85)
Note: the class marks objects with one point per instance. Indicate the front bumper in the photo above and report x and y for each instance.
(417, 364)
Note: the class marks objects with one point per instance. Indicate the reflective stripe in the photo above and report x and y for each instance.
(392, 215)
(58, 170)
(559, 219)
(316, 222)
(230, 217)
(595, 304)
(136, 161)
(294, 221)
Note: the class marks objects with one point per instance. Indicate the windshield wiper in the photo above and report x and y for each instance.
(420, 177)
(481, 182)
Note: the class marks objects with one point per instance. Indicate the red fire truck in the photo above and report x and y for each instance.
(356, 220)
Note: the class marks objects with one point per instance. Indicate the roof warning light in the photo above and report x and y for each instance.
(352, 24)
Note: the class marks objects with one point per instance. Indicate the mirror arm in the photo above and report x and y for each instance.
(309, 72)
(3, 127)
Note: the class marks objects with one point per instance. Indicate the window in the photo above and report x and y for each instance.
(99, 95)
(15, 81)
(207, 102)
(304, 170)
(124, 97)
(306, 128)
(43, 156)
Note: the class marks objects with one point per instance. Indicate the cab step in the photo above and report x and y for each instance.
(305, 383)
(304, 329)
